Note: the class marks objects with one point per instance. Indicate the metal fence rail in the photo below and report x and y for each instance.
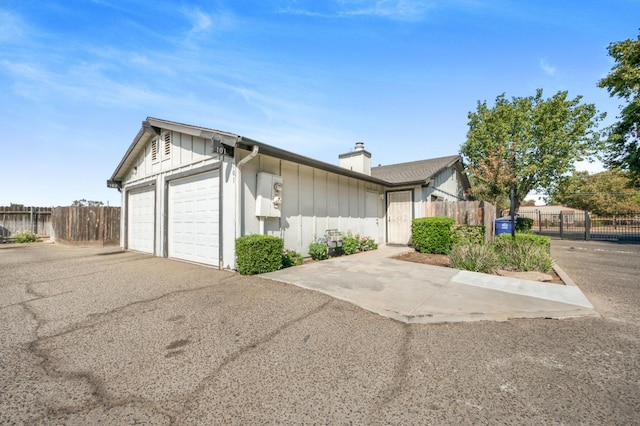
(576, 225)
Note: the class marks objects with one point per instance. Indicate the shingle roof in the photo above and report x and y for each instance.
(413, 171)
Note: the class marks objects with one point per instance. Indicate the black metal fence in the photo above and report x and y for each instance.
(579, 225)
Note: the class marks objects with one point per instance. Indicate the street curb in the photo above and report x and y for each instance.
(566, 279)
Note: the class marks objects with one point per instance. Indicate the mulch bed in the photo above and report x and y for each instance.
(443, 260)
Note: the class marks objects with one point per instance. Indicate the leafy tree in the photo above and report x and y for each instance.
(607, 192)
(87, 203)
(624, 82)
(528, 142)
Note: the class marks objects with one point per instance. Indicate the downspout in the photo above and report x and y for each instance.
(239, 216)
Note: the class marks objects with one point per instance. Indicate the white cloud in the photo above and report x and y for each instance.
(393, 9)
(591, 167)
(11, 27)
(404, 10)
(203, 23)
(548, 69)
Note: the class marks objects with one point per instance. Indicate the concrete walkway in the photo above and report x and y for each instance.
(418, 293)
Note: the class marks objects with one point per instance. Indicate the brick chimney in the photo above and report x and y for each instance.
(357, 160)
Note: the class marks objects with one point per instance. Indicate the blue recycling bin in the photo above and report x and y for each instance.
(503, 225)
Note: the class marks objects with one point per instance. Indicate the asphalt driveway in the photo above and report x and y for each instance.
(98, 336)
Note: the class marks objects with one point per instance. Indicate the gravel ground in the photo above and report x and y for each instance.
(100, 336)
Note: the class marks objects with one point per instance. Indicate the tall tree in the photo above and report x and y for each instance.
(87, 203)
(624, 82)
(607, 192)
(528, 142)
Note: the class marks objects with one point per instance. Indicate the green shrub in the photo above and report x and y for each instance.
(257, 254)
(539, 240)
(291, 258)
(522, 254)
(432, 234)
(318, 251)
(25, 237)
(463, 235)
(366, 244)
(523, 224)
(349, 244)
(475, 257)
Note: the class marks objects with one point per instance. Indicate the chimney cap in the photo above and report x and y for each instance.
(359, 146)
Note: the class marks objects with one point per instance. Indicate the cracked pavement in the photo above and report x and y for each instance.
(100, 336)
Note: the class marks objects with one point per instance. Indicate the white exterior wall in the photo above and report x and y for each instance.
(188, 154)
(313, 201)
(447, 187)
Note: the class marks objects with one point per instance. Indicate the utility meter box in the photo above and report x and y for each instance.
(268, 195)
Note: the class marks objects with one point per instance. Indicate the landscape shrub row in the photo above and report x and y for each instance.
(502, 253)
(467, 250)
(259, 254)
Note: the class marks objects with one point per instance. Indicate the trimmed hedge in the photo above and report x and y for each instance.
(257, 254)
(432, 234)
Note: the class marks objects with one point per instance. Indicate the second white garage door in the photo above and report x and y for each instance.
(194, 218)
(141, 219)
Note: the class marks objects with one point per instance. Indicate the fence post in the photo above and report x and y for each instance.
(539, 222)
(587, 226)
(561, 224)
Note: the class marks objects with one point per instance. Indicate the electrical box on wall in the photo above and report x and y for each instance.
(268, 195)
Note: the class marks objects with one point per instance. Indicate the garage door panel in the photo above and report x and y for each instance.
(194, 219)
(141, 220)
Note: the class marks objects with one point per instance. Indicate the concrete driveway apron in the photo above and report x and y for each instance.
(417, 293)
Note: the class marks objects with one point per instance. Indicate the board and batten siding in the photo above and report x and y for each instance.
(188, 155)
(184, 149)
(313, 201)
(447, 186)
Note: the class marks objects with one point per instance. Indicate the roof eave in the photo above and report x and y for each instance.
(144, 134)
(266, 149)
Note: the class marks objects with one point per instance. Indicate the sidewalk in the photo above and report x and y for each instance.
(418, 293)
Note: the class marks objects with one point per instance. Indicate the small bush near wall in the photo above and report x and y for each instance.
(258, 254)
(291, 258)
(523, 224)
(432, 234)
(25, 237)
(318, 251)
(349, 244)
(463, 235)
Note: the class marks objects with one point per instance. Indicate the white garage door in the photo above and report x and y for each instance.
(194, 219)
(140, 220)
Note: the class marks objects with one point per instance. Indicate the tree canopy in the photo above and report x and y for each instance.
(606, 192)
(530, 142)
(624, 82)
(87, 203)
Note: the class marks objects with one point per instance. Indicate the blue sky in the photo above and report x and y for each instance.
(78, 76)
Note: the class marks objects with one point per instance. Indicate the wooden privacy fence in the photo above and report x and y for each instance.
(82, 225)
(15, 219)
(473, 213)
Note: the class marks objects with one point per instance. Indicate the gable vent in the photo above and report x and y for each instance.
(167, 144)
(154, 150)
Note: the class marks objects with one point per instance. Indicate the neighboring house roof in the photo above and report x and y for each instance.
(397, 175)
(551, 209)
(418, 171)
(413, 171)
